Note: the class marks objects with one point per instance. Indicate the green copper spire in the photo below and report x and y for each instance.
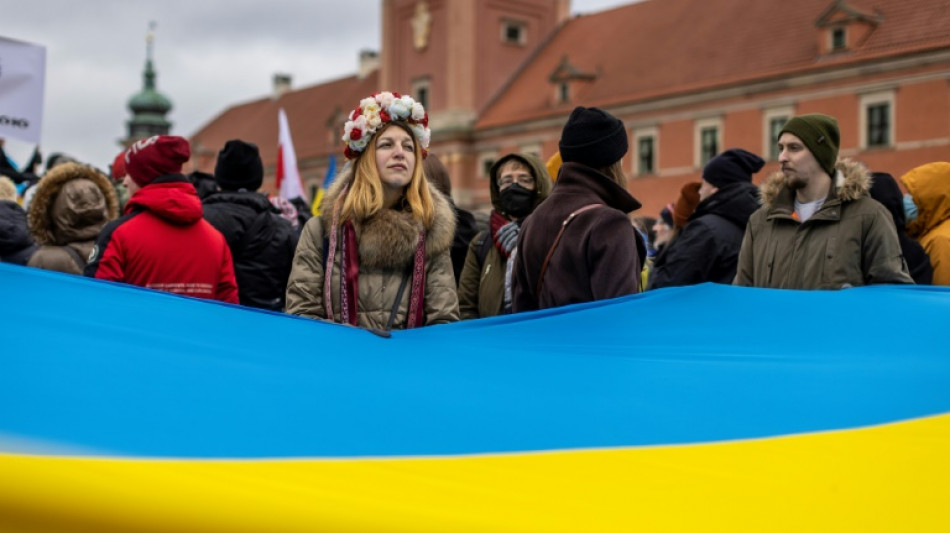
(149, 106)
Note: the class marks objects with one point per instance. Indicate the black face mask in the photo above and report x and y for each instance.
(517, 201)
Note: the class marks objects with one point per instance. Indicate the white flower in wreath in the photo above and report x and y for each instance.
(385, 99)
(399, 110)
(369, 105)
(418, 112)
(360, 144)
(373, 121)
(421, 134)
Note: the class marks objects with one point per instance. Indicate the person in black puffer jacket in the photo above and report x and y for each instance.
(262, 242)
(884, 189)
(465, 227)
(16, 243)
(707, 249)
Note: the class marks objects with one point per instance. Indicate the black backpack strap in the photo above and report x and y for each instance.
(482, 247)
(402, 289)
(392, 313)
(77, 257)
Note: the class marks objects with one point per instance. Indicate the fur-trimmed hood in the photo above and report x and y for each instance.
(543, 183)
(852, 180)
(388, 238)
(72, 203)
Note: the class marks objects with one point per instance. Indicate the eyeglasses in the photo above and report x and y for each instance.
(525, 180)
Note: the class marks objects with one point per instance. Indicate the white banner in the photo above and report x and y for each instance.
(22, 80)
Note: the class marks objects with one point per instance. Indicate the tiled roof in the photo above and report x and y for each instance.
(308, 112)
(657, 48)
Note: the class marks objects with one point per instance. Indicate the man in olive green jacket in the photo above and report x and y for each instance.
(818, 227)
(517, 185)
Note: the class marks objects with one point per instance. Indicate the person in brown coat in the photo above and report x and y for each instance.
(579, 245)
(465, 226)
(72, 203)
(378, 256)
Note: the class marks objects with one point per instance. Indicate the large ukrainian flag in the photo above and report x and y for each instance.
(707, 408)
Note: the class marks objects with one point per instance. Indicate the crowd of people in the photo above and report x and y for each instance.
(391, 250)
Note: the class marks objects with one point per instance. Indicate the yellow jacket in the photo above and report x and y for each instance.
(930, 187)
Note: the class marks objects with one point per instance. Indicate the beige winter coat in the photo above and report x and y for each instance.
(849, 241)
(71, 205)
(387, 245)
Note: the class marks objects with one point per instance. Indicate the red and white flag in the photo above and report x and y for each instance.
(288, 177)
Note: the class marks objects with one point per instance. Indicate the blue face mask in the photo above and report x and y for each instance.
(910, 209)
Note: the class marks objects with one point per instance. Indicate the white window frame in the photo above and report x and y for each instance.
(522, 33)
(421, 83)
(560, 88)
(698, 127)
(831, 38)
(870, 99)
(768, 143)
(638, 134)
(483, 173)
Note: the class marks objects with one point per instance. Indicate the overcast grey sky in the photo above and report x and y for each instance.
(209, 54)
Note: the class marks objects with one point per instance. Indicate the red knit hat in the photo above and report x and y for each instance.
(156, 156)
(118, 167)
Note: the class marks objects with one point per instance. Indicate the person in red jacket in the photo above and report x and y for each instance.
(162, 241)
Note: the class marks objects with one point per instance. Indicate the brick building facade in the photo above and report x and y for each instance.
(689, 78)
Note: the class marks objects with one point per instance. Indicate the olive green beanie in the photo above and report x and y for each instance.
(820, 135)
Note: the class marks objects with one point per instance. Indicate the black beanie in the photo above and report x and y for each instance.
(666, 214)
(732, 166)
(593, 137)
(239, 167)
(820, 135)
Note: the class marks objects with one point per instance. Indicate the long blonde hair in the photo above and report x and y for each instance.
(615, 172)
(365, 197)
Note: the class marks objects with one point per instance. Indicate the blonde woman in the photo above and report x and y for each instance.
(378, 256)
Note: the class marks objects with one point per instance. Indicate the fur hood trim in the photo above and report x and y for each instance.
(852, 181)
(42, 220)
(387, 239)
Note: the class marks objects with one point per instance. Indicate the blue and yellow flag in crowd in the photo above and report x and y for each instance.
(327, 181)
(707, 408)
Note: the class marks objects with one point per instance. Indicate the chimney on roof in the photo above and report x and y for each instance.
(369, 61)
(281, 85)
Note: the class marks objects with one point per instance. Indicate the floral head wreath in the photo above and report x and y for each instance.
(383, 108)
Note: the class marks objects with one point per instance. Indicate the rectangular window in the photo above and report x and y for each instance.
(421, 91)
(646, 156)
(709, 144)
(422, 96)
(486, 167)
(564, 92)
(879, 126)
(838, 39)
(775, 127)
(513, 32)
